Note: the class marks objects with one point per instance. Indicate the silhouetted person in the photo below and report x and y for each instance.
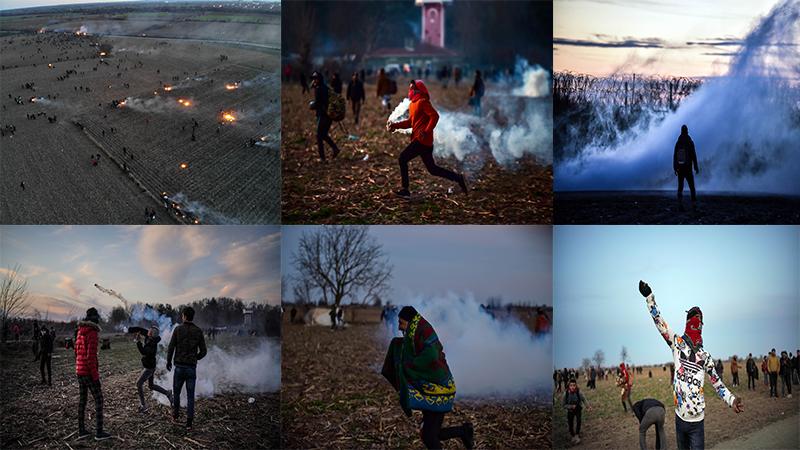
(320, 106)
(336, 83)
(303, 82)
(476, 93)
(355, 94)
(46, 355)
(683, 158)
(293, 314)
(383, 90)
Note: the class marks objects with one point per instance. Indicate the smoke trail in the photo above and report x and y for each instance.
(112, 293)
(237, 369)
(488, 356)
(206, 214)
(155, 104)
(745, 125)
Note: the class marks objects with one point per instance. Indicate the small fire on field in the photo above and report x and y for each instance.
(232, 86)
(50, 66)
(228, 116)
(103, 53)
(184, 102)
(167, 88)
(184, 165)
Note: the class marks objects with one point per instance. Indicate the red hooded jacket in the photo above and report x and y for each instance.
(422, 117)
(86, 349)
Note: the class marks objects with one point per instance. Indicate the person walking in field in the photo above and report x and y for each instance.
(692, 363)
(383, 90)
(476, 93)
(650, 412)
(574, 402)
(148, 351)
(764, 371)
(735, 371)
(684, 158)
(752, 372)
(773, 368)
(188, 346)
(355, 95)
(625, 382)
(786, 375)
(422, 120)
(320, 106)
(416, 367)
(46, 355)
(86, 368)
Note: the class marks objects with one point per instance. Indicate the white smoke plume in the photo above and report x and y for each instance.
(488, 356)
(156, 104)
(251, 369)
(112, 293)
(535, 80)
(206, 214)
(745, 125)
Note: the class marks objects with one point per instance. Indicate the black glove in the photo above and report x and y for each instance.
(644, 289)
(169, 366)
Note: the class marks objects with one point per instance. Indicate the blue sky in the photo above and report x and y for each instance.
(156, 264)
(510, 261)
(744, 278)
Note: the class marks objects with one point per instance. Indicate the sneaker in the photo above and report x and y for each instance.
(789, 396)
(462, 182)
(577, 439)
(102, 436)
(403, 193)
(83, 434)
(469, 436)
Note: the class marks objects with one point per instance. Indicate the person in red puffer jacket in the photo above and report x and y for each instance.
(422, 120)
(86, 368)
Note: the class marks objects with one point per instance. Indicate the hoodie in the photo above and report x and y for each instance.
(684, 154)
(86, 349)
(692, 363)
(422, 117)
(148, 351)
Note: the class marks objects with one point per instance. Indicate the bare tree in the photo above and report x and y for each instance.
(599, 358)
(13, 296)
(586, 364)
(303, 292)
(344, 262)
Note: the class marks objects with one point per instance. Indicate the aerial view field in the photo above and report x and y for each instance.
(141, 113)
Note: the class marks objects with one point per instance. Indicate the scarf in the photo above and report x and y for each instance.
(694, 330)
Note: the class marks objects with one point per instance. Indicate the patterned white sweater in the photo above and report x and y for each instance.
(690, 370)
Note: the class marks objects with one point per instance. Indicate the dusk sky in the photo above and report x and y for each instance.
(743, 278)
(509, 261)
(154, 264)
(667, 37)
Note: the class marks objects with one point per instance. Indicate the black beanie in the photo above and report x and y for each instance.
(407, 313)
(92, 315)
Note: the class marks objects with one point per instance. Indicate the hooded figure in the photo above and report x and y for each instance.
(692, 363)
(683, 158)
(422, 119)
(86, 368)
(148, 351)
(416, 366)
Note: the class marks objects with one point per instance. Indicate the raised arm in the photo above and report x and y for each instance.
(661, 324)
(722, 390)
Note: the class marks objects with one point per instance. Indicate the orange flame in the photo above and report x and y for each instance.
(228, 117)
(232, 86)
(184, 165)
(184, 102)
(167, 88)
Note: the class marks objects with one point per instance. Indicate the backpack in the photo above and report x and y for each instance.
(392, 87)
(336, 106)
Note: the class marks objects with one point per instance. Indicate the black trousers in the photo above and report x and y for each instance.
(356, 109)
(323, 127)
(690, 435)
(415, 149)
(773, 384)
(685, 172)
(88, 385)
(574, 419)
(735, 378)
(45, 360)
(432, 432)
(751, 380)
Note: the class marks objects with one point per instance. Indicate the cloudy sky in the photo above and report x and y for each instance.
(514, 262)
(668, 37)
(155, 264)
(743, 278)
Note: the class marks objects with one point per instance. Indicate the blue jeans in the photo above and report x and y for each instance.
(188, 375)
(690, 435)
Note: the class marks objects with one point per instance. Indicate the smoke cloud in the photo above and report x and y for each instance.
(488, 356)
(206, 214)
(745, 125)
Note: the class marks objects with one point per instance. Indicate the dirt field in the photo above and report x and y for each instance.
(358, 186)
(39, 416)
(605, 425)
(333, 396)
(229, 172)
(661, 207)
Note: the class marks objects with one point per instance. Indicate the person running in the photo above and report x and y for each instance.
(574, 401)
(188, 346)
(773, 367)
(752, 372)
(786, 375)
(683, 158)
(625, 383)
(355, 95)
(46, 355)
(422, 120)
(691, 361)
(650, 412)
(148, 351)
(320, 106)
(476, 93)
(416, 366)
(87, 370)
(735, 371)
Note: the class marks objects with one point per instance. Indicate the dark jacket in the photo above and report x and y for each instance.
(478, 87)
(321, 99)
(684, 145)
(187, 344)
(576, 399)
(46, 343)
(148, 351)
(336, 84)
(641, 407)
(355, 91)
